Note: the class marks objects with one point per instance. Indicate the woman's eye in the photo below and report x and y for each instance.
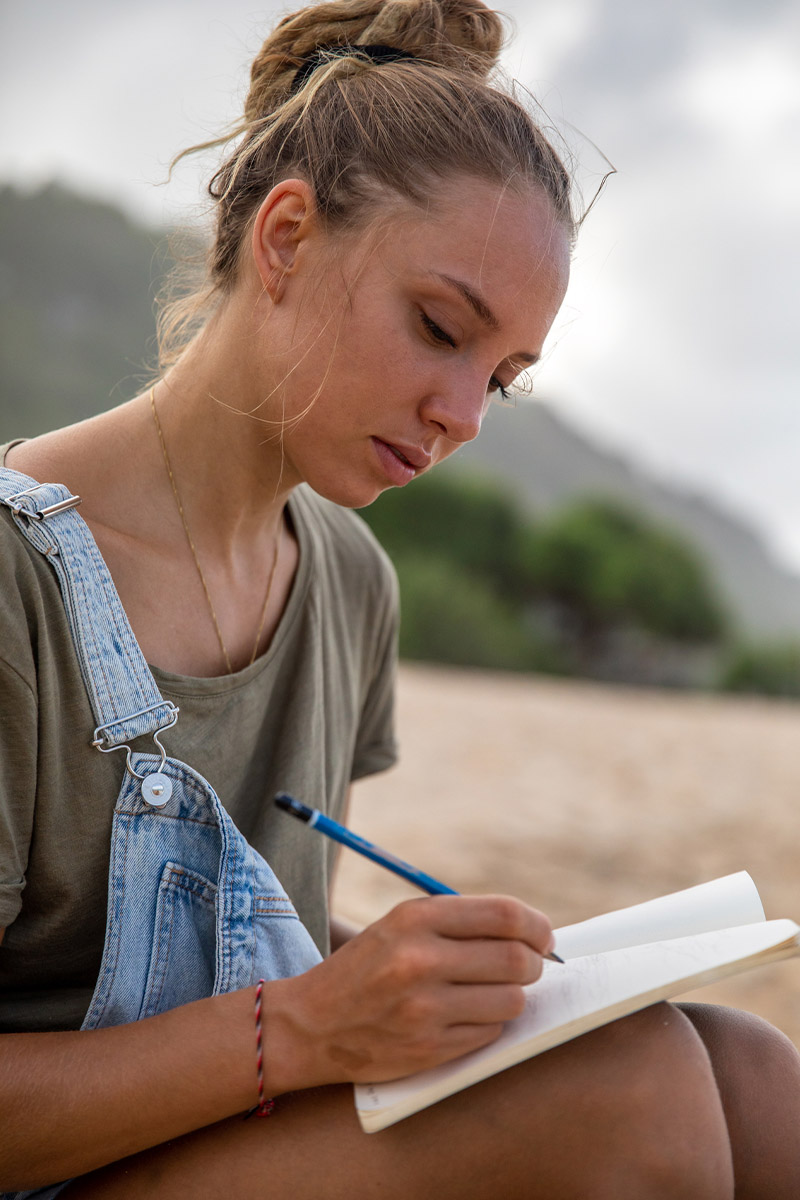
(443, 338)
(436, 332)
(496, 386)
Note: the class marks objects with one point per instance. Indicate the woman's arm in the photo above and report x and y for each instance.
(75, 1101)
(392, 1001)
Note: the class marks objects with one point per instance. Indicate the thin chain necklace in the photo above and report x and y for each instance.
(190, 540)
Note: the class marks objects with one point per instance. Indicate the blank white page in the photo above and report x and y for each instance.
(720, 904)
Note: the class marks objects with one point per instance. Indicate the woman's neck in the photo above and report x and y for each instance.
(221, 428)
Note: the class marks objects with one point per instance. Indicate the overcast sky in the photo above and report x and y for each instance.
(678, 344)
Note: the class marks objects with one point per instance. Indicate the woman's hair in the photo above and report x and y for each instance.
(362, 132)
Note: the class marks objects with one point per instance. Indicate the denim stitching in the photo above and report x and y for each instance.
(114, 922)
(146, 1005)
(252, 915)
(90, 649)
(162, 816)
(226, 941)
(192, 882)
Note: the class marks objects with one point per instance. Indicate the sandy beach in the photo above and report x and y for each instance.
(581, 798)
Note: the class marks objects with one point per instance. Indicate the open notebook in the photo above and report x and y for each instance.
(615, 964)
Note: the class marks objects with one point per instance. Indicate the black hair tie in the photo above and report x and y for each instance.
(323, 54)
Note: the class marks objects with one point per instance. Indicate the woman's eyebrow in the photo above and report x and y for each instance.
(481, 309)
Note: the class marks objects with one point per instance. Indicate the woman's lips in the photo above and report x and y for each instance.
(396, 463)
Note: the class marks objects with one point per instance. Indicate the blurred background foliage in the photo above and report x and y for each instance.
(593, 588)
(771, 668)
(483, 583)
(76, 307)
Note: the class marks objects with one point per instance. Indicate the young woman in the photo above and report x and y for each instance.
(393, 241)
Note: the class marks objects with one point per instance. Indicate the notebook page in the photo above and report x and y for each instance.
(720, 904)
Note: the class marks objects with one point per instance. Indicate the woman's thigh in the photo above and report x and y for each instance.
(629, 1110)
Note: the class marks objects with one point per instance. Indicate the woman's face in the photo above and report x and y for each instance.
(400, 343)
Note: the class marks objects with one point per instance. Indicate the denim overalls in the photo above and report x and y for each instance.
(193, 909)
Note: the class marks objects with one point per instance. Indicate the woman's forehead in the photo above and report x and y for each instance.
(473, 224)
(483, 241)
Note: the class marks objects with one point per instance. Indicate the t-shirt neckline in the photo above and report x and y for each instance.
(215, 684)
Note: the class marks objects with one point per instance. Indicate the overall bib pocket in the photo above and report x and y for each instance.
(183, 938)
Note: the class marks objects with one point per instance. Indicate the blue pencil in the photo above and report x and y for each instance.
(332, 829)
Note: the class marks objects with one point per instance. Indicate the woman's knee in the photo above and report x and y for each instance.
(757, 1070)
(655, 1090)
(740, 1041)
(630, 1110)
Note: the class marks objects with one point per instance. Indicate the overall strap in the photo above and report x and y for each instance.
(123, 694)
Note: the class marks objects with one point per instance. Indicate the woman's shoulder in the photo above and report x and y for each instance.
(30, 598)
(20, 563)
(20, 598)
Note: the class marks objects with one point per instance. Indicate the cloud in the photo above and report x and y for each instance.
(679, 342)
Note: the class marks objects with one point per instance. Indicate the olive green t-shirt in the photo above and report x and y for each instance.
(309, 716)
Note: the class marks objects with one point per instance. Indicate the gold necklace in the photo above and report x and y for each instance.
(190, 540)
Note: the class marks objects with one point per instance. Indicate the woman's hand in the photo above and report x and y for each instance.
(434, 978)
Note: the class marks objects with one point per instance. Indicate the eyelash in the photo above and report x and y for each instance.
(439, 335)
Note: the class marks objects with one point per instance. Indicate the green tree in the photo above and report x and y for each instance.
(768, 668)
(467, 519)
(607, 566)
(475, 572)
(448, 615)
(458, 544)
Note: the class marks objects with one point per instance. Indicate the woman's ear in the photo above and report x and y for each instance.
(283, 223)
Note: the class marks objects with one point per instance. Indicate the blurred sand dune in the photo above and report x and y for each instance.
(581, 798)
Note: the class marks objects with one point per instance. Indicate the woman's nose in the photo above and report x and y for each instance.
(458, 413)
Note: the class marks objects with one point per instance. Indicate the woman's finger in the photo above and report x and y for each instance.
(475, 917)
(487, 960)
(483, 1003)
(432, 1012)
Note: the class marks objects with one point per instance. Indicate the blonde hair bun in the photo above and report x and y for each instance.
(462, 35)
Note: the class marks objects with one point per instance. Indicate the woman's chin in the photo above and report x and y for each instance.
(348, 495)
